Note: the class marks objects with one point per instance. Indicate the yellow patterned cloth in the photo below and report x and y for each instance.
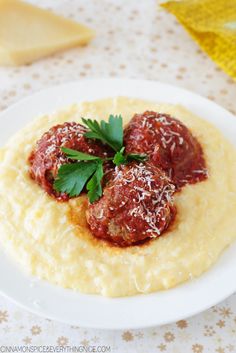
(212, 23)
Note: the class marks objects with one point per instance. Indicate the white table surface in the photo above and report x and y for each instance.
(134, 39)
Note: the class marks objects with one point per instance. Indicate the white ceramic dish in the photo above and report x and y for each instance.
(132, 312)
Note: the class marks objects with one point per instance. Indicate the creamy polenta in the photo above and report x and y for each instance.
(51, 239)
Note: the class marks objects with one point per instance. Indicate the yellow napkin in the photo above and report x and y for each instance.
(212, 23)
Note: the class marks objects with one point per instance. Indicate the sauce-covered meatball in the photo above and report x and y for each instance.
(47, 157)
(169, 145)
(136, 205)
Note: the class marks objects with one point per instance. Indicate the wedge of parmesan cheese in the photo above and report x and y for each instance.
(28, 33)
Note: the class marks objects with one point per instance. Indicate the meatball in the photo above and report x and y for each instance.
(137, 204)
(47, 157)
(169, 145)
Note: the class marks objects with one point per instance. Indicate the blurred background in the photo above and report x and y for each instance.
(134, 39)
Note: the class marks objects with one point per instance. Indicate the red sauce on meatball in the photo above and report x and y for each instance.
(169, 144)
(137, 204)
(47, 157)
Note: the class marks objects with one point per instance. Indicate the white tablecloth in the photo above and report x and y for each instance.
(134, 39)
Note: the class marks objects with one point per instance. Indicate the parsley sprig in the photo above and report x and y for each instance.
(110, 132)
(88, 171)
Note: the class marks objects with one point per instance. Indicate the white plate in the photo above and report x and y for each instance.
(132, 312)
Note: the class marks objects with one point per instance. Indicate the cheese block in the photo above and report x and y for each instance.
(28, 33)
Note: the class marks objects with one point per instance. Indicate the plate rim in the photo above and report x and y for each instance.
(119, 82)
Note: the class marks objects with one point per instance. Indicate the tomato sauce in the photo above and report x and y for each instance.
(47, 157)
(137, 204)
(169, 144)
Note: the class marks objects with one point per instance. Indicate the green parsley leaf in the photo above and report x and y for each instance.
(110, 132)
(94, 186)
(119, 157)
(71, 178)
(136, 157)
(77, 155)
